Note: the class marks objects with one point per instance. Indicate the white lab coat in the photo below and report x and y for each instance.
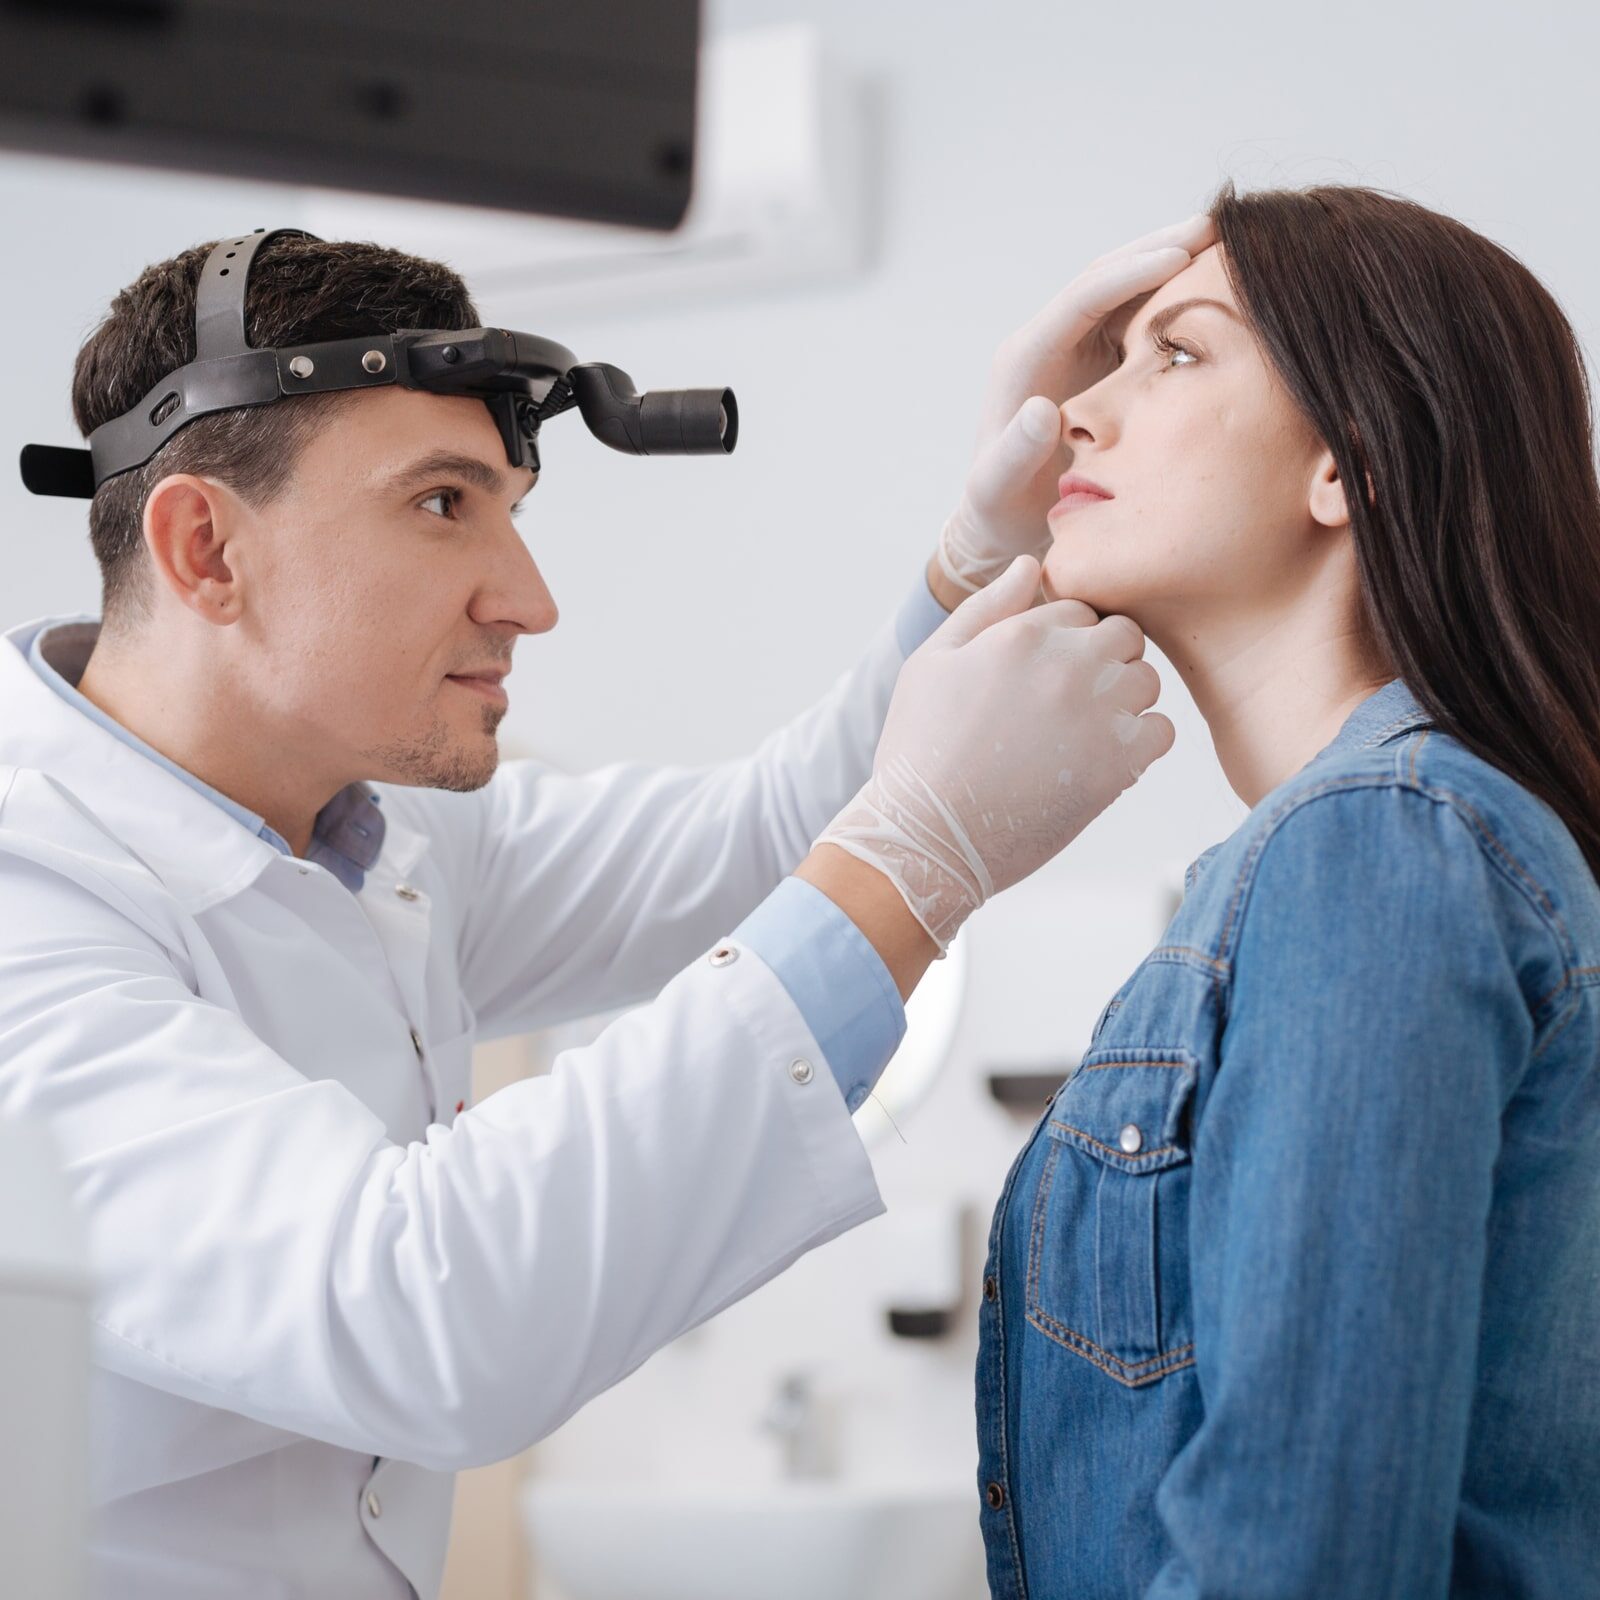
(319, 1289)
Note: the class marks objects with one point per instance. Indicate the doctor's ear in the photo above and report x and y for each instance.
(187, 522)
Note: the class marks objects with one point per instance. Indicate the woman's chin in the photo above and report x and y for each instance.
(1065, 578)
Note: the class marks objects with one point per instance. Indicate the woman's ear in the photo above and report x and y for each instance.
(1328, 504)
(1327, 501)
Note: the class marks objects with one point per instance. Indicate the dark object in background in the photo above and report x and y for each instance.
(581, 110)
(1027, 1090)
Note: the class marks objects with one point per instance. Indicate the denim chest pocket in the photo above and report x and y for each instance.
(1108, 1274)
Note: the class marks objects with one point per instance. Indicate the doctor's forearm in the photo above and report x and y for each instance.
(874, 905)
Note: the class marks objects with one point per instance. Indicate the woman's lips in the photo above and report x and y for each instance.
(1079, 491)
(487, 687)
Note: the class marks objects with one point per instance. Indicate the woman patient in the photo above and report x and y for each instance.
(1294, 1292)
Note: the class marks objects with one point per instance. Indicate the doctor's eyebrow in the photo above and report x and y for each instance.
(1167, 315)
(451, 464)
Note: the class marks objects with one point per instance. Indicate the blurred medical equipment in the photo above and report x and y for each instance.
(838, 1540)
(923, 1272)
(44, 1372)
(794, 1418)
(582, 111)
(523, 379)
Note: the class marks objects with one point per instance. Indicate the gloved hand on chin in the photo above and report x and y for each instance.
(1010, 729)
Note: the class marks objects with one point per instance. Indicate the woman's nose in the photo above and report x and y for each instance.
(1075, 427)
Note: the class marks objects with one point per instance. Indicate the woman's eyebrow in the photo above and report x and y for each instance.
(1167, 315)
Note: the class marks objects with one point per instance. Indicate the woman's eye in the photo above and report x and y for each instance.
(1169, 349)
(448, 497)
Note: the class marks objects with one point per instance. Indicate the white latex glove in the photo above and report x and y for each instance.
(1063, 350)
(1010, 729)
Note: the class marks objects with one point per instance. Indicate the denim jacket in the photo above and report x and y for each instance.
(1295, 1290)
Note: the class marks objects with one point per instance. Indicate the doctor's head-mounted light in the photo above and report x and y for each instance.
(524, 380)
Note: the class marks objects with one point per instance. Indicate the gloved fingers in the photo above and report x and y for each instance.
(1077, 310)
(1121, 638)
(1012, 593)
(1193, 234)
(1065, 614)
(1133, 685)
(1008, 462)
(1146, 739)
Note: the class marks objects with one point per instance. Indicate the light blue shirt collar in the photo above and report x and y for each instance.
(348, 832)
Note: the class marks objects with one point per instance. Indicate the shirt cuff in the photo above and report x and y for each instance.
(835, 978)
(918, 616)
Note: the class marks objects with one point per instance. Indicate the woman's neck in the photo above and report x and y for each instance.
(1273, 691)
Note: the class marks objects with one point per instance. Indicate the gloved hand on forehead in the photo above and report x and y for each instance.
(1061, 351)
(1008, 732)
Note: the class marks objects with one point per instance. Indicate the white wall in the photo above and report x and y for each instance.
(704, 600)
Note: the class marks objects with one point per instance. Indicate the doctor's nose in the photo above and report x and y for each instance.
(517, 593)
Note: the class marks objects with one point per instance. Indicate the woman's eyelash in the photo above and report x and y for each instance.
(1164, 345)
(1168, 346)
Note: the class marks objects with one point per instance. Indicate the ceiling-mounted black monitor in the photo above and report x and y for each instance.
(580, 108)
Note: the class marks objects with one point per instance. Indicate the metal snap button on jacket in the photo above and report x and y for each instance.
(800, 1070)
(723, 955)
(405, 891)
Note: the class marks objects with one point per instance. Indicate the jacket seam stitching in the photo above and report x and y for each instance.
(1489, 844)
(1113, 1366)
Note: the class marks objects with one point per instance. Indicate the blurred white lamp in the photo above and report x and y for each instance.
(932, 1014)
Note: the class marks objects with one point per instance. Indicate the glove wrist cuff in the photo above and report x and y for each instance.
(903, 830)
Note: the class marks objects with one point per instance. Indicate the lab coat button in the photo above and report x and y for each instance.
(405, 891)
(374, 1505)
(416, 1043)
(302, 868)
(800, 1070)
(723, 955)
(1131, 1139)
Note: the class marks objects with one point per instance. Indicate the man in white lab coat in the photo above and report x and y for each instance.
(264, 882)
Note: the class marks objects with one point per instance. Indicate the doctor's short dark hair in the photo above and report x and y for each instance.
(300, 291)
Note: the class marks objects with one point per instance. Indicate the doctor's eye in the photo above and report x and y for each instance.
(451, 497)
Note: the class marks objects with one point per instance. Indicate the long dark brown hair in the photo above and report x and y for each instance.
(1442, 373)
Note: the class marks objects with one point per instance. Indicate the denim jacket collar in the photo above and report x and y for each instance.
(1388, 713)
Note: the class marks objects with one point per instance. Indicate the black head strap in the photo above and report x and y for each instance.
(219, 299)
